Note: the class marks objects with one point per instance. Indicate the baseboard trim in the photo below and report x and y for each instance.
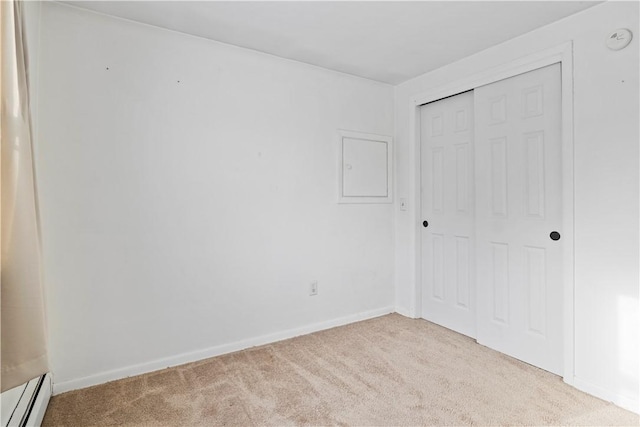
(218, 350)
(406, 312)
(629, 403)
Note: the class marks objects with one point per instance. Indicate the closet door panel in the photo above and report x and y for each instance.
(447, 184)
(518, 206)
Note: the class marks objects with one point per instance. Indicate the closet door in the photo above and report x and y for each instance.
(518, 217)
(448, 296)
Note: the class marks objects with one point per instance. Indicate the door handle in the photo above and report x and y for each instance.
(425, 224)
(554, 235)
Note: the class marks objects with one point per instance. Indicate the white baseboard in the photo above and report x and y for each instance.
(627, 402)
(406, 312)
(194, 356)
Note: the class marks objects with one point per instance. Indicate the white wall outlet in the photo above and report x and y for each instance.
(313, 288)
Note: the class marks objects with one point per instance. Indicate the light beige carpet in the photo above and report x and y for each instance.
(386, 371)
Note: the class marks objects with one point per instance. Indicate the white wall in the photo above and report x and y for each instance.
(606, 190)
(188, 193)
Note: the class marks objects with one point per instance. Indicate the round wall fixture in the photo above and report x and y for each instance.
(619, 39)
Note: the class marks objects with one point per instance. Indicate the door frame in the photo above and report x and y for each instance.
(562, 54)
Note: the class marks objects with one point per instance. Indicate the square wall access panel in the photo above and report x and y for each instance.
(365, 168)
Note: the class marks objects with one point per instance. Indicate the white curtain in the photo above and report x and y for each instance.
(23, 344)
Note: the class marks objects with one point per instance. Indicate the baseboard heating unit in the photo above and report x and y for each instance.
(25, 405)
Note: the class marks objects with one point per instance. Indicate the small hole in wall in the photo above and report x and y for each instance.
(107, 68)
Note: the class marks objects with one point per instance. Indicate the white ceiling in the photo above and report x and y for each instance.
(387, 41)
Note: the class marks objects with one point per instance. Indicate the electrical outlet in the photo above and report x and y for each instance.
(313, 288)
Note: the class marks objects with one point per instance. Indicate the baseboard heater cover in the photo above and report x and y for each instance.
(26, 404)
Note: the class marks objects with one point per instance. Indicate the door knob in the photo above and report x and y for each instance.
(554, 235)
(425, 224)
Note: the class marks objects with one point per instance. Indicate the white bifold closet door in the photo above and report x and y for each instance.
(448, 297)
(518, 161)
(491, 198)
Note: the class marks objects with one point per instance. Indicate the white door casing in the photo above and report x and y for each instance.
(518, 162)
(448, 296)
